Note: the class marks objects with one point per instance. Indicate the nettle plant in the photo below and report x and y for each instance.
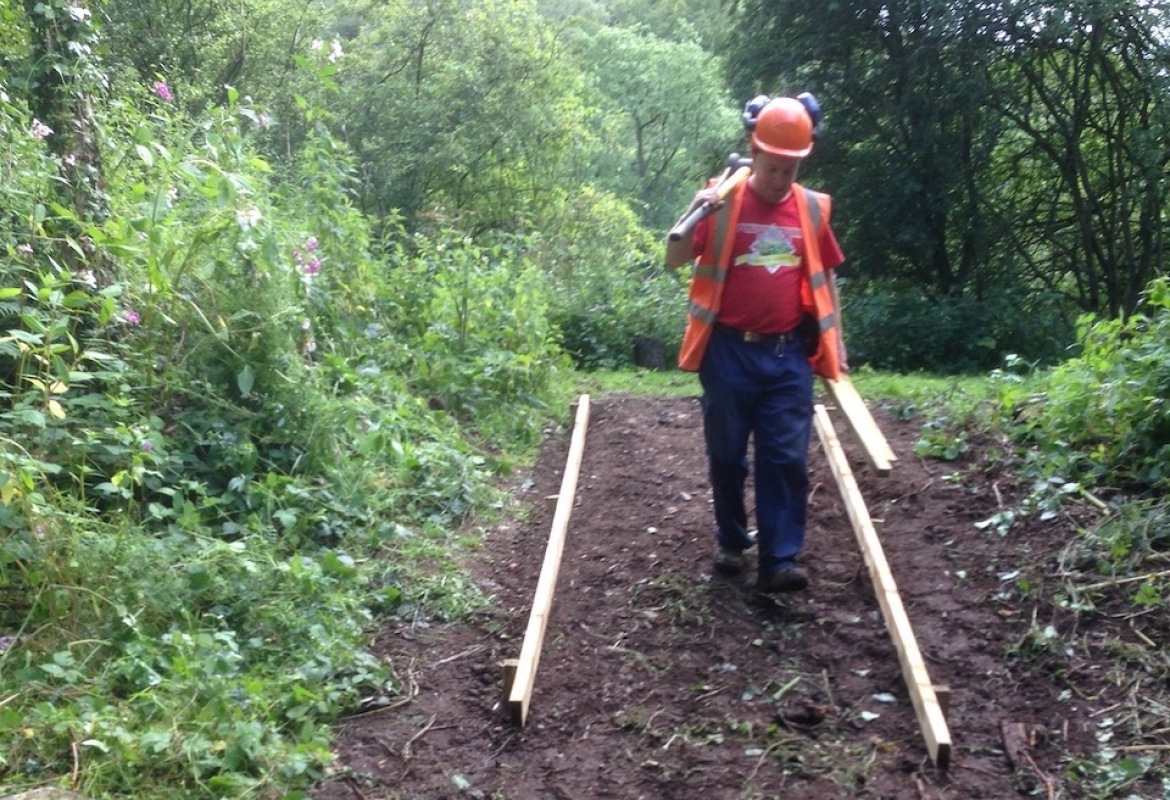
(157, 539)
(1123, 420)
(54, 321)
(481, 312)
(219, 281)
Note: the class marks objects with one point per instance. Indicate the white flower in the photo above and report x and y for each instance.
(79, 13)
(316, 45)
(248, 217)
(335, 52)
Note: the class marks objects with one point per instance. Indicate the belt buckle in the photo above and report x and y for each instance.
(751, 337)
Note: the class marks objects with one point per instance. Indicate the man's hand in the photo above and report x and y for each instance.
(705, 197)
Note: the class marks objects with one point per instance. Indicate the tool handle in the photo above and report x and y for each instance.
(727, 182)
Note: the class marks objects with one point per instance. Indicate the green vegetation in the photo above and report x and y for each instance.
(656, 383)
(994, 165)
(286, 289)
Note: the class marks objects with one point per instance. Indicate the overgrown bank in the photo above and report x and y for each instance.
(244, 420)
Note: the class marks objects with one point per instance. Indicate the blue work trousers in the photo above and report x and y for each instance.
(765, 390)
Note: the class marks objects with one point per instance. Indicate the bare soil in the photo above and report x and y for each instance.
(660, 679)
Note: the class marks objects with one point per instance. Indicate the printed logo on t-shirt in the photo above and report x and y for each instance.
(773, 247)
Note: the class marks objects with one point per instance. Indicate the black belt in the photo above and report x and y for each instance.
(751, 337)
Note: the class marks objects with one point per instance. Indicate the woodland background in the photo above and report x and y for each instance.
(287, 285)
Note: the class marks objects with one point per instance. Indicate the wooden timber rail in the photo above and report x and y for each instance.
(520, 674)
(924, 695)
(877, 450)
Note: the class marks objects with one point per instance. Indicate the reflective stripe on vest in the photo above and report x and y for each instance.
(814, 206)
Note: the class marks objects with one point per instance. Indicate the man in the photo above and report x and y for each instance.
(763, 317)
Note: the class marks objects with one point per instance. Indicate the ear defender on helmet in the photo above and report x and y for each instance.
(751, 111)
(813, 106)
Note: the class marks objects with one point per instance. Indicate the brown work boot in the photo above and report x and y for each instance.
(728, 561)
(788, 579)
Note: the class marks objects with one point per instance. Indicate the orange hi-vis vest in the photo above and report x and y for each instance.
(711, 273)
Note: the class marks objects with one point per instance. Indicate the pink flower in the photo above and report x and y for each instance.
(131, 317)
(311, 243)
(40, 130)
(313, 267)
(163, 91)
(147, 447)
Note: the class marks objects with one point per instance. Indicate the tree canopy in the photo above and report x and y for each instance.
(978, 144)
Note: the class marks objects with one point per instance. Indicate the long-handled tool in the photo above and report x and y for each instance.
(738, 169)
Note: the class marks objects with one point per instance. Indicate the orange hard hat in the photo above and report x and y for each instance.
(784, 128)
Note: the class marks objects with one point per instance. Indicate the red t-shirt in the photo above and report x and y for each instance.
(762, 291)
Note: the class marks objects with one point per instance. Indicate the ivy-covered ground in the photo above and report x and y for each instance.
(659, 679)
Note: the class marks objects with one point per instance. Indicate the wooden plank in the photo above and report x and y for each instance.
(922, 690)
(508, 672)
(943, 693)
(861, 422)
(524, 679)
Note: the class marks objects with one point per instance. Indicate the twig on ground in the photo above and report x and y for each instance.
(499, 749)
(786, 688)
(413, 739)
(1106, 710)
(828, 688)
(1146, 640)
(468, 652)
(352, 784)
(1098, 502)
(408, 697)
(908, 495)
(1120, 581)
(812, 492)
(710, 694)
(1045, 778)
(764, 756)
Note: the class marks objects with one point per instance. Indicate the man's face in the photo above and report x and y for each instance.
(772, 176)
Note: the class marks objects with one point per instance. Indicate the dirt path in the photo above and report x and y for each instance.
(659, 679)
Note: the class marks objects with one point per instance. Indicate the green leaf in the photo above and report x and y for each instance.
(198, 578)
(246, 380)
(339, 564)
(145, 154)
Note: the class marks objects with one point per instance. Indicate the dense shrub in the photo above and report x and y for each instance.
(230, 436)
(481, 313)
(1105, 415)
(608, 283)
(901, 328)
